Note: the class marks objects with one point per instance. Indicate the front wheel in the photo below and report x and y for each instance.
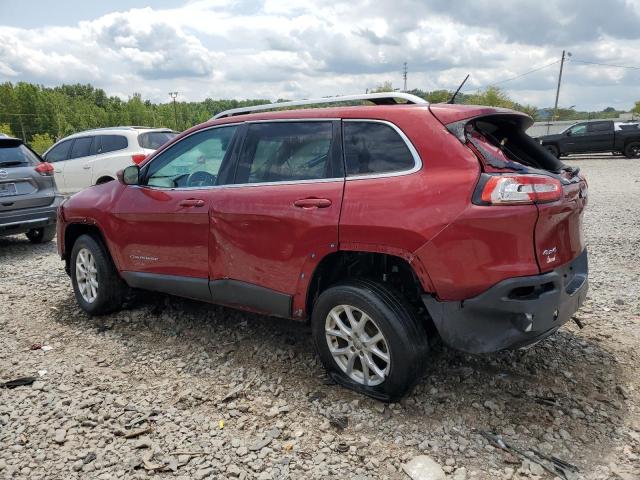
(41, 235)
(632, 150)
(97, 286)
(369, 339)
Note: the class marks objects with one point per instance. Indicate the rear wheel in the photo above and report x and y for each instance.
(41, 235)
(553, 150)
(97, 286)
(632, 150)
(369, 339)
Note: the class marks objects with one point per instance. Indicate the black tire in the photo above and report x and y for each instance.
(111, 290)
(41, 235)
(404, 335)
(553, 150)
(632, 150)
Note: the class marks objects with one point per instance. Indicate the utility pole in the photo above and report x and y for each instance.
(404, 76)
(555, 108)
(174, 95)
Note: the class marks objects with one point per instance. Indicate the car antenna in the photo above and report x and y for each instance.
(458, 90)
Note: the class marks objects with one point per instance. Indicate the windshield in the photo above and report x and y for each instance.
(154, 140)
(13, 154)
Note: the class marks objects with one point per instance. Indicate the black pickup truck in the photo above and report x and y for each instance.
(599, 136)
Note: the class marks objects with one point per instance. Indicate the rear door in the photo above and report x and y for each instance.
(279, 218)
(600, 135)
(21, 186)
(77, 169)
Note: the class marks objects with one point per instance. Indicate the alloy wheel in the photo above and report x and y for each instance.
(87, 275)
(357, 345)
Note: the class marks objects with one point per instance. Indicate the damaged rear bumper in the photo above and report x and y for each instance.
(513, 313)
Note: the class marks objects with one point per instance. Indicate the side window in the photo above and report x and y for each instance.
(111, 143)
(81, 147)
(192, 162)
(286, 151)
(59, 152)
(372, 147)
(579, 129)
(599, 127)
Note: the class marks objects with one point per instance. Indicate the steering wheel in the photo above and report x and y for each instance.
(201, 179)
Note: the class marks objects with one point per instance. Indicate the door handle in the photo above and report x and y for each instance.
(86, 167)
(309, 203)
(191, 202)
(57, 171)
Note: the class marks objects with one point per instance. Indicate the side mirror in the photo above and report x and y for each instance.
(130, 175)
(569, 133)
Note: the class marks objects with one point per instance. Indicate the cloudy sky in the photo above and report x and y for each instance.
(299, 48)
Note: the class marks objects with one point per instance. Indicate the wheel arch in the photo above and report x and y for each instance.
(73, 231)
(401, 270)
(104, 179)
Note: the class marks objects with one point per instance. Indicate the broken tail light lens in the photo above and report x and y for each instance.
(45, 169)
(138, 158)
(518, 189)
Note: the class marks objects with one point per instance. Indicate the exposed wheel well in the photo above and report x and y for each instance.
(104, 179)
(73, 232)
(390, 269)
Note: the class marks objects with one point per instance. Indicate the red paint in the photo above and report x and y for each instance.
(259, 236)
(274, 236)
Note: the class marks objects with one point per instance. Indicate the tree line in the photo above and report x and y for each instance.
(41, 115)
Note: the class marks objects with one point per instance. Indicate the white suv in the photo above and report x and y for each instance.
(94, 156)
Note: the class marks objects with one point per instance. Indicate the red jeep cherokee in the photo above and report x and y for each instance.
(381, 224)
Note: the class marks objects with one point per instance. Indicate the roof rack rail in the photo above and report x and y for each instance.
(382, 98)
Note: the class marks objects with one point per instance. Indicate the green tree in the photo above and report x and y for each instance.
(6, 129)
(41, 142)
(386, 86)
(636, 109)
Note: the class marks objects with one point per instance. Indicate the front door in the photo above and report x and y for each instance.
(163, 223)
(279, 218)
(577, 140)
(77, 169)
(58, 155)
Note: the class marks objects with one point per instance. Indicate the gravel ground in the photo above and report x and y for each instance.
(176, 389)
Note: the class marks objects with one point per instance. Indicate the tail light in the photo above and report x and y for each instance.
(138, 158)
(45, 169)
(517, 190)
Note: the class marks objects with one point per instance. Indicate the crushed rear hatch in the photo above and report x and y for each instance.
(499, 140)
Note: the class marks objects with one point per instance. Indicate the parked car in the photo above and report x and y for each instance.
(28, 194)
(595, 137)
(95, 156)
(382, 225)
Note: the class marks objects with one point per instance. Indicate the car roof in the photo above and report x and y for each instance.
(359, 111)
(7, 139)
(117, 130)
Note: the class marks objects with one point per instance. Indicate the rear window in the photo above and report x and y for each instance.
(111, 143)
(373, 147)
(13, 154)
(154, 140)
(600, 126)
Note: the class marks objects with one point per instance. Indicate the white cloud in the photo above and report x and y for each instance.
(292, 49)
